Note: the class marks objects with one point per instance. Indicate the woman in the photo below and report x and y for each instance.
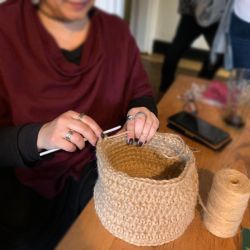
(67, 72)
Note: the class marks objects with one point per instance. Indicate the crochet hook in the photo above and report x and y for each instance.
(103, 134)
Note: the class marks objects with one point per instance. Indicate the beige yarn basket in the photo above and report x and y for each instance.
(146, 195)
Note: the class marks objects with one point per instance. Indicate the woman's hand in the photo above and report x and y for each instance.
(68, 131)
(141, 125)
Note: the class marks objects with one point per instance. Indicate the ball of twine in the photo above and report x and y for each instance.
(227, 201)
(146, 195)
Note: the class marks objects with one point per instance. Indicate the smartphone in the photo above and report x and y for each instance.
(199, 130)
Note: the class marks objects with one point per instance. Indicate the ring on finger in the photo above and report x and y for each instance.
(140, 113)
(69, 135)
(81, 115)
(130, 117)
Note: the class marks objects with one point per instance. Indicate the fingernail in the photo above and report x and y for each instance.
(139, 144)
(130, 141)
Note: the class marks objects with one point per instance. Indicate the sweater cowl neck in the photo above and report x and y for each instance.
(34, 29)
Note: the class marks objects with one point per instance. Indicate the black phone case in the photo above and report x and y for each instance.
(196, 137)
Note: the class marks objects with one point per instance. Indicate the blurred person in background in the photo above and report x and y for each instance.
(232, 38)
(240, 34)
(187, 31)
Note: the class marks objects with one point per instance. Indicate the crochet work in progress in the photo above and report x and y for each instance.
(146, 195)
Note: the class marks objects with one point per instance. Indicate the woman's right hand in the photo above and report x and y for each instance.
(68, 131)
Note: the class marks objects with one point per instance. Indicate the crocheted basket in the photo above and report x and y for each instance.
(146, 195)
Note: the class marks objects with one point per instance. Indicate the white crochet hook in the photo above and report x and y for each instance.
(103, 134)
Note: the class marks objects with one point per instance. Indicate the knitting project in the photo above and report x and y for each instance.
(146, 195)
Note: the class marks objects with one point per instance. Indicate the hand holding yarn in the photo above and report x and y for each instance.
(141, 125)
(68, 131)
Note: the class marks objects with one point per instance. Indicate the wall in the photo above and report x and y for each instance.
(143, 23)
(167, 21)
(112, 6)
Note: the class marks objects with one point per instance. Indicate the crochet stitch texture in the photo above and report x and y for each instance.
(146, 195)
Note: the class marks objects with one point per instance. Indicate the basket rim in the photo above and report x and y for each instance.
(147, 180)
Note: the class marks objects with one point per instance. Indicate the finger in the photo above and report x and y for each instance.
(139, 125)
(153, 129)
(130, 126)
(148, 122)
(77, 140)
(91, 123)
(66, 145)
(84, 130)
(85, 119)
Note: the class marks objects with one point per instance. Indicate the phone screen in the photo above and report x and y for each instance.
(199, 127)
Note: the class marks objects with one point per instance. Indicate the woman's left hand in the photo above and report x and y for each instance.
(141, 125)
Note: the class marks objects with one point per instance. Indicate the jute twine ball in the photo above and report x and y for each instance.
(227, 201)
(146, 195)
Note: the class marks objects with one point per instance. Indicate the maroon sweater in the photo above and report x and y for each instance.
(37, 84)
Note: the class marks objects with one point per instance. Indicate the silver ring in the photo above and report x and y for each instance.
(130, 117)
(81, 115)
(140, 113)
(68, 135)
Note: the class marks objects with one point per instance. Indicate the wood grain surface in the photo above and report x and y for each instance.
(87, 231)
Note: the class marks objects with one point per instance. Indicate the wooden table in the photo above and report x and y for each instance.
(88, 233)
